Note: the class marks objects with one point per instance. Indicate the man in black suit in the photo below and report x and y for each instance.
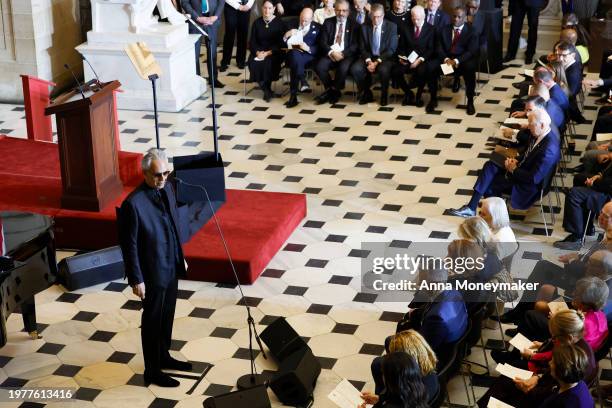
(457, 47)
(153, 257)
(378, 42)
(419, 38)
(434, 16)
(339, 46)
(520, 8)
(475, 19)
(207, 13)
(359, 14)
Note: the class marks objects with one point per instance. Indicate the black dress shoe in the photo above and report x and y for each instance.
(292, 102)
(366, 97)
(321, 99)
(384, 100)
(508, 58)
(174, 364)
(464, 212)
(419, 102)
(219, 84)
(470, 108)
(223, 68)
(511, 332)
(456, 85)
(241, 65)
(267, 95)
(431, 107)
(529, 60)
(334, 96)
(408, 98)
(161, 379)
(571, 242)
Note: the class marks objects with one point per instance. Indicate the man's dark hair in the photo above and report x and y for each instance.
(543, 75)
(538, 101)
(565, 46)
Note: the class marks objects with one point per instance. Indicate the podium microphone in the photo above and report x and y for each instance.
(247, 380)
(79, 87)
(92, 70)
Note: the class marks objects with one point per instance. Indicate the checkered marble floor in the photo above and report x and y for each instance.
(370, 174)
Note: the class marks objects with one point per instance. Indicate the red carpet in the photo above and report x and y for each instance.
(255, 224)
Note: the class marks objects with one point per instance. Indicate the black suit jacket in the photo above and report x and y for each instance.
(424, 45)
(388, 41)
(145, 242)
(328, 37)
(573, 73)
(441, 19)
(466, 47)
(478, 24)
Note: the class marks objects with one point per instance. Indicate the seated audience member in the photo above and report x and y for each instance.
(413, 344)
(359, 14)
(457, 47)
(325, 12)
(559, 76)
(566, 54)
(339, 45)
(583, 201)
(266, 41)
(522, 177)
(399, 14)
(589, 297)
(568, 366)
(495, 213)
(476, 20)
(440, 316)
(566, 328)
(419, 38)
(539, 97)
(378, 42)
(566, 276)
(545, 76)
(591, 162)
(300, 55)
(436, 17)
(403, 384)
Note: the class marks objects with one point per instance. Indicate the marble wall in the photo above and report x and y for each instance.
(37, 37)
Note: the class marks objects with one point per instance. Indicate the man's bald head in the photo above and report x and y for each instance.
(569, 35)
(306, 16)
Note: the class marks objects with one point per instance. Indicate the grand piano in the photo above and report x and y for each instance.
(27, 266)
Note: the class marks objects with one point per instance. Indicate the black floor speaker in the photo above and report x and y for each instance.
(296, 377)
(91, 268)
(256, 397)
(281, 339)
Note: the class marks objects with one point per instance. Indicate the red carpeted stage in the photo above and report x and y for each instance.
(255, 223)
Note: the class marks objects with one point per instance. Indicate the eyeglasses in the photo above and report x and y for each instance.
(160, 175)
(563, 55)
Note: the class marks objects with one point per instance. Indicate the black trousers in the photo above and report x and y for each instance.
(325, 65)
(210, 65)
(363, 77)
(156, 327)
(236, 25)
(578, 202)
(466, 69)
(418, 76)
(516, 26)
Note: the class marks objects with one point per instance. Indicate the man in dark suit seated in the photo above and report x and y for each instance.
(544, 76)
(457, 47)
(378, 42)
(339, 46)
(520, 8)
(566, 54)
(589, 194)
(522, 177)
(149, 239)
(359, 14)
(434, 16)
(419, 38)
(302, 53)
(540, 97)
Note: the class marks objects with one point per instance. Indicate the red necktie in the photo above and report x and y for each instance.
(417, 33)
(339, 35)
(455, 39)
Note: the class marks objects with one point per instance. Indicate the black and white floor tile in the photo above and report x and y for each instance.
(370, 174)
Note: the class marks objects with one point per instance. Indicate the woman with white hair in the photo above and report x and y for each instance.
(495, 214)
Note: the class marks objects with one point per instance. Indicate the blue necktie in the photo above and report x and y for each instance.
(204, 6)
(360, 18)
(376, 41)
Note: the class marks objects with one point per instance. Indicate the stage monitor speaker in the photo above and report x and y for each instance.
(281, 339)
(296, 377)
(91, 268)
(202, 169)
(256, 397)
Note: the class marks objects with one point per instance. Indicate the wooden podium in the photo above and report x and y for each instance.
(88, 152)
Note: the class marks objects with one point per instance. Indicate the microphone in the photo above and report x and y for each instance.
(92, 70)
(79, 87)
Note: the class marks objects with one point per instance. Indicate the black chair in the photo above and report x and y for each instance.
(602, 353)
(456, 365)
(443, 377)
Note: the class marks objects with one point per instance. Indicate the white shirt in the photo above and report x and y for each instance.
(460, 28)
(506, 241)
(236, 3)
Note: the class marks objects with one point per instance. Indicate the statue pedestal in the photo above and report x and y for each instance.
(172, 46)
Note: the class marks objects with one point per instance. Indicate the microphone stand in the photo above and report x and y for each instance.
(253, 379)
(153, 78)
(212, 84)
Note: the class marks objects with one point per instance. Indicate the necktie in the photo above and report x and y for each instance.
(204, 6)
(376, 41)
(339, 35)
(528, 151)
(455, 39)
(360, 18)
(430, 18)
(417, 32)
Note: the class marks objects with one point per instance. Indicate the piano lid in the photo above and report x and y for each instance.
(17, 228)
